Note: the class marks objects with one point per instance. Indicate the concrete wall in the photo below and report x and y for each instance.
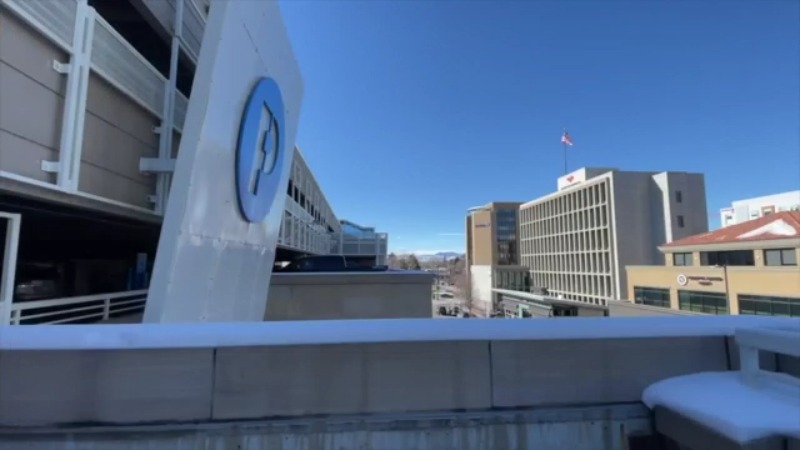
(72, 387)
(369, 295)
(481, 283)
(29, 134)
(118, 132)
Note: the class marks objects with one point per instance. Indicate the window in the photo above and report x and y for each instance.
(780, 257)
(703, 302)
(727, 258)
(651, 296)
(680, 221)
(681, 259)
(769, 306)
(679, 196)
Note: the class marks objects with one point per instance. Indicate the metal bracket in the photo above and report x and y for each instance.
(51, 166)
(156, 165)
(62, 68)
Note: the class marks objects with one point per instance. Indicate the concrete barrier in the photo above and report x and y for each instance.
(259, 382)
(595, 371)
(71, 376)
(350, 295)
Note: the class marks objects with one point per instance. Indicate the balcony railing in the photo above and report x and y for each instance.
(88, 308)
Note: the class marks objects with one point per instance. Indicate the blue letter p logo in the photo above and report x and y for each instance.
(260, 150)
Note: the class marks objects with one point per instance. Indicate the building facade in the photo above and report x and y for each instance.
(747, 268)
(578, 240)
(492, 256)
(361, 245)
(88, 163)
(753, 208)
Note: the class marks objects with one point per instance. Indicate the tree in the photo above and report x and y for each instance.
(462, 284)
(413, 262)
(391, 261)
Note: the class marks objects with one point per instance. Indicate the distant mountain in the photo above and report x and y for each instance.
(439, 256)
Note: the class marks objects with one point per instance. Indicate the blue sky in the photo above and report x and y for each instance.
(415, 111)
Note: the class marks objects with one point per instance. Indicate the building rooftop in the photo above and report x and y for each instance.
(781, 225)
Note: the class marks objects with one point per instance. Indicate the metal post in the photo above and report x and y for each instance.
(72, 124)
(168, 112)
(9, 265)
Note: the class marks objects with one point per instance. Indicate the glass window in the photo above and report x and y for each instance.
(679, 196)
(682, 259)
(703, 302)
(780, 257)
(680, 221)
(651, 296)
(728, 258)
(769, 305)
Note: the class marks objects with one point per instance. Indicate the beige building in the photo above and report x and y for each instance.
(578, 240)
(747, 268)
(493, 258)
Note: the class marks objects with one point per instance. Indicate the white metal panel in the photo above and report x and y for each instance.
(213, 264)
(54, 18)
(122, 66)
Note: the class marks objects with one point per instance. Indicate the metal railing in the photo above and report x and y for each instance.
(84, 309)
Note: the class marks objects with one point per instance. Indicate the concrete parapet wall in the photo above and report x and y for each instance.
(71, 376)
(349, 295)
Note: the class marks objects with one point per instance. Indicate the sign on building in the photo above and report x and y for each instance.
(226, 202)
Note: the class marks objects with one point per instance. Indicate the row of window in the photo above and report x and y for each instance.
(772, 257)
(716, 303)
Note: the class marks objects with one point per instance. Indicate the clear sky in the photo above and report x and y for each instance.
(415, 111)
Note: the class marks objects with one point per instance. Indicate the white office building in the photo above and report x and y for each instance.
(753, 208)
(578, 240)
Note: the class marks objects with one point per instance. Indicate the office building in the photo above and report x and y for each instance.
(747, 268)
(578, 240)
(492, 256)
(362, 246)
(753, 208)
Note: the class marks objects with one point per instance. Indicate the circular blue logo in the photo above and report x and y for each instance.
(260, 151)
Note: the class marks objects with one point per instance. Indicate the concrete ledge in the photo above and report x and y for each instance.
(599, 427)
(533, 373)
(101, 386)
(349, 295)
(262, 382)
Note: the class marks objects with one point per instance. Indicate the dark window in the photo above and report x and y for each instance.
(769, 306)
(727, 258)
(651, 296)
(680, 221)
(679, 196)
(780, 257)
(289, 190)
(682, 259)
(703, 302)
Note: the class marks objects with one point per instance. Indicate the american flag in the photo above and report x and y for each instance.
(566, 139)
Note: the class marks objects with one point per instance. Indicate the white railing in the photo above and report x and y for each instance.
(78, 309)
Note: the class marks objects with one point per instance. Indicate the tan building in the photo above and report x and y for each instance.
(747, 268)
(578, 240)
(493, 258)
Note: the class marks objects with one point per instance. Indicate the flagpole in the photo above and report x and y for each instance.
(564, 144)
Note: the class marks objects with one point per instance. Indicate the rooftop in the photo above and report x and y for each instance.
(781, 225)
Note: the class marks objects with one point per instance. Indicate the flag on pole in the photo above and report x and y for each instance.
(566, 139)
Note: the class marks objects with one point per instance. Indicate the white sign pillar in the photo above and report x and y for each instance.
(226, 202)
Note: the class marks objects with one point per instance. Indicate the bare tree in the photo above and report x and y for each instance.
(462, 284)
(413, 262)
